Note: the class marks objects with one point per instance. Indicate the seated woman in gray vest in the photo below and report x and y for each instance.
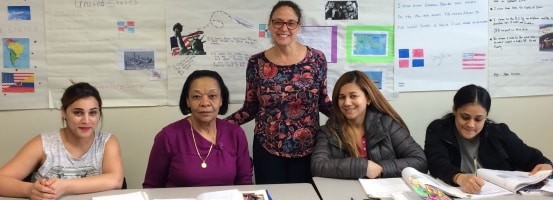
(365, 137)
(78, 158)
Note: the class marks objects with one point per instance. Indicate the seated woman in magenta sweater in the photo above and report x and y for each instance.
(200, 150)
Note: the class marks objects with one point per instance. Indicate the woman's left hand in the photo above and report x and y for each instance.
(58, 186)
(540, 167)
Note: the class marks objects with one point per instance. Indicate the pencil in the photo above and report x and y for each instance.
(475, 167)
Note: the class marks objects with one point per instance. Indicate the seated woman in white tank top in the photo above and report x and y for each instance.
(75, 159)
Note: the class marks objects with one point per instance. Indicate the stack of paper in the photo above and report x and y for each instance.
(128, 196)
(384, 187)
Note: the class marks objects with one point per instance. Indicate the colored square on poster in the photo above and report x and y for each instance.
(121, 29)
(16, 13)
(418, 62)
(130, 29)
(262, 27)
(403, 53)
(121, 24)
(418, 53)
(261, 34)
(403, 63)
(130, 23)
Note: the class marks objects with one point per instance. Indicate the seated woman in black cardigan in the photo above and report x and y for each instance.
(465, 139)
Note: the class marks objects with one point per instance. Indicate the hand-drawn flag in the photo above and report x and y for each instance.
(474, 60)
(127, 26)
(264, 31)
(18, 82)
(411, 58)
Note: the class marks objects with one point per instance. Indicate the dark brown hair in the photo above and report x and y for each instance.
(290, 4)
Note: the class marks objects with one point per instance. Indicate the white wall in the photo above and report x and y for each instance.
(530, 117)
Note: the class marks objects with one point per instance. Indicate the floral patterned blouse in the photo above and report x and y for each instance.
(285, 102)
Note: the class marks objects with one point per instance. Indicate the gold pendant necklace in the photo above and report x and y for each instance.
(204, 165)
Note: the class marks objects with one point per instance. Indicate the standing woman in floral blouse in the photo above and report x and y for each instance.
(285, 91)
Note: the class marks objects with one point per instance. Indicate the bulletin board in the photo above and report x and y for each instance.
(138, 53)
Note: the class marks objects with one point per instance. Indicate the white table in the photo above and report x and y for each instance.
(291, 191)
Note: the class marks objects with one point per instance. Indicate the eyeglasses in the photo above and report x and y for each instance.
(290, 24)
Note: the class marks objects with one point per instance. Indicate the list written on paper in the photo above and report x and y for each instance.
(516, 23)
(520, 40)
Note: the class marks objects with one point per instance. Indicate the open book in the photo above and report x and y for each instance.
(233, 194)
(512, 180)
(497, 183)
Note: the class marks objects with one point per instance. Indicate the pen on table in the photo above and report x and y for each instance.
(475, 167)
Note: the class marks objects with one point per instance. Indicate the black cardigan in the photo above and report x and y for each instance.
(499, 149)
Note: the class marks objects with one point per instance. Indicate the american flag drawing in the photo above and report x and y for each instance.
(18, 82)
(474, 60)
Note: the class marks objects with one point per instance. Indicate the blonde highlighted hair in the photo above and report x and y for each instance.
(378, 101)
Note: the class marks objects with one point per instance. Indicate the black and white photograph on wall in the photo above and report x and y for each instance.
(139, 60)
(341, 10)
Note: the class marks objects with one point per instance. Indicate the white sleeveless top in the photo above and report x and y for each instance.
(60, 164)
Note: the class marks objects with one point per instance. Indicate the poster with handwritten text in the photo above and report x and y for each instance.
(440, 45)
(521, 48)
